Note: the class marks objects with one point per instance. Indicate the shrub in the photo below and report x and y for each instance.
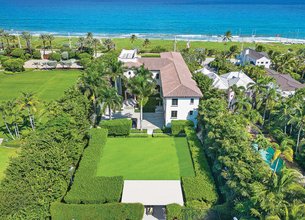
(161, 135)
(18, 53)
(14, 65)
(178, 126)
(13, 143)
(158, 130)
(200, 188)
(37, 54)
(85, 62)
(84, 55)
(27, 56)
(173, 211)
(65, 55)
(95, 190)
(138, 135)
(55, 56)
(117, 127)
(136, 131)
(3, 59)
(114, 211)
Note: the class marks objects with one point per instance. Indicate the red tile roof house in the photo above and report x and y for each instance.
(178, 90)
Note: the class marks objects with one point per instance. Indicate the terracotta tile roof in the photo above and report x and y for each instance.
(176, 78)
(285, 81)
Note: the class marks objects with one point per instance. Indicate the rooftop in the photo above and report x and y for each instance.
(152, 192)
(285, 81)
(176, 78)
(256, 55)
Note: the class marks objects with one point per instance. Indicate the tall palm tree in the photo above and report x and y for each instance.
(227, 37)
(89, 39)
(111, 100)
(146, 42)
(2, 38)
(4, 112)
(7, 37)
(44, 38)
(109, 44)
(95, 43)
(142, 87)
(50, 38)
(115, 70)
(283, 150)
(133, 38)
(82, 42)
(28, 102)
(27, 37)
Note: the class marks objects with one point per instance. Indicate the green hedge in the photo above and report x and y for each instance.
(96, 190)
(173, 211)
(178, 126)
(158, 130)
(202, 187)
(177, 212)
(136, 131)
(161, 135)
(114, 211)
(138, 135)
(117, 127)
(87, 188)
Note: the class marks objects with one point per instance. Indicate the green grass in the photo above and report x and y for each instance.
(146, 158)
(5, 155)
(169, 44)
(47, 85)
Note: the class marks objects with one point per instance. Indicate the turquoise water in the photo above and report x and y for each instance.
(202, 17)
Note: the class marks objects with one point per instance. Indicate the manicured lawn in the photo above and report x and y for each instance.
(48, 85)
(5, 155)
(146, 158)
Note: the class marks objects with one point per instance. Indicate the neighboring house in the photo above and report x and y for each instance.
(128, 56)
(286, 85)
(253, 57)
(178, 90)
(225, 81)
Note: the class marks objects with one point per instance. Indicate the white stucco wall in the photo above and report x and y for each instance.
(183, 108)
(263, 62)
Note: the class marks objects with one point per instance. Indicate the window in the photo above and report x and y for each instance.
(174, 114)
(174, 102)
(192, 101)
(191, 113)
(157, 76)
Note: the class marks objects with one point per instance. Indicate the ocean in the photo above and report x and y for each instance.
(267, 18)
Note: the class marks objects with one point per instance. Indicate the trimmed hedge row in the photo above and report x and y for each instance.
(178, 126)
(202, 187)
(138, 135)
(87, 188)
(160, 135)
(114, 211)
(117, 127)
(137, 131)
(177, 212)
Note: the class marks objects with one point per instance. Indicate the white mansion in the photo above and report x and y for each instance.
(178, 90)
(250, 56)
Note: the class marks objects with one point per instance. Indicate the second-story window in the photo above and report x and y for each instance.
(174, 102)
(157, 76)
(192, 101)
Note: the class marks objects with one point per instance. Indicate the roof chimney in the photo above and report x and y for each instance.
(247, 51)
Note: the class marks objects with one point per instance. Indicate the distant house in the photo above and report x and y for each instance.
(178, 90)
(285, 83)
(225, 81)
(253, 57)
(128, 56)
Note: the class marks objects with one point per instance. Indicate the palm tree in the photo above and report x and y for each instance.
(109, 44)
(27, 37)
(2, 38)
(283, 150)
(28, 102)
(82, 42)
(133, 38)
(111, 99)
(89, 39)
(146, 42)
(115, 70)
(44, 38)
(142, 87)
(95, 42)
(4, 112)
(227, 37)
(50, 38)
(7, 37)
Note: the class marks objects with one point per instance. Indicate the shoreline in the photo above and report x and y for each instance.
(177, 37)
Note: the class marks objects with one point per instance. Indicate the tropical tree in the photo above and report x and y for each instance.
(2, 38)
(89, 39)
(109, 44)
(146, 42)
(95, 43)
(283, 150)
(111, 100)
(133, 38)
(81, 42)
(227, 36)
(44, 39)
(27, 37)
(7, 38)
(50, 38)
(142, 85)
(4, 110)
(28, 103)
